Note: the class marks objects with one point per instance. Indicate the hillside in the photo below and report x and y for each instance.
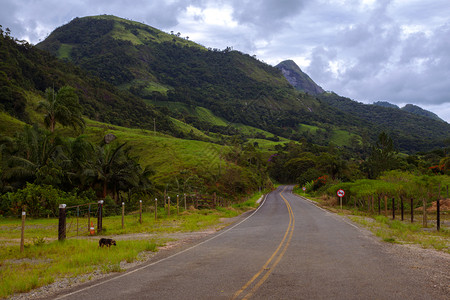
(27, 71)
(298, 79)
(414, 109)
(164, 68)
(410, 131)
(411, 108)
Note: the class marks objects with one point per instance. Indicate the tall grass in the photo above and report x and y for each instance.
(43, 264)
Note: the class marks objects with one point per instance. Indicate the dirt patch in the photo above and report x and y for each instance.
(443, 204)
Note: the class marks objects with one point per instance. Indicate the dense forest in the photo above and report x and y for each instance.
(24, 68)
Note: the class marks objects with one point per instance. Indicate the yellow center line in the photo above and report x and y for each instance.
(289, 232)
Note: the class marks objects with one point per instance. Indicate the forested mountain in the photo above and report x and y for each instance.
(26, 71)
(414, 109)
(411, 108)
(164, 68)
(411, 131)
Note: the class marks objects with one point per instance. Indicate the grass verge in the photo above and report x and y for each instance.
(45, 260)
(395, 231)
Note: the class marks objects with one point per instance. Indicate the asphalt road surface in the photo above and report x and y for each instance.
(287, 249)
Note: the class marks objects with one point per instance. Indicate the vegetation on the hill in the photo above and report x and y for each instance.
(26, 69)
(411, 132)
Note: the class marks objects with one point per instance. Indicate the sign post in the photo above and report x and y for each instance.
(340, 194)
(304, 191)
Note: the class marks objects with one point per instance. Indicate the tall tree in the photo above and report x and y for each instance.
(62, 107)
(383, 157)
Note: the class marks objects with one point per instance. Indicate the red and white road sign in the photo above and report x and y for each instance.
(304, 188)
(340, 193)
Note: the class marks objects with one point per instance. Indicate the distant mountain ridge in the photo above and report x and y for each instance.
(411, 108)
(298, 79)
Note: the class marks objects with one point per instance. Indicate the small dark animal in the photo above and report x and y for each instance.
(106, 242)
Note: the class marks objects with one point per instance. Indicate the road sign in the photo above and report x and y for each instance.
(304, 188)
(340, 193)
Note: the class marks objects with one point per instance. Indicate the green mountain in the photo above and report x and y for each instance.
(411, 108)
(179, 76)
(386, 104)
(414, 109)
(298, 79)
(411, 131)
(26, 71)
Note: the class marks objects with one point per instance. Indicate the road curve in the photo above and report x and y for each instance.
(287, 249)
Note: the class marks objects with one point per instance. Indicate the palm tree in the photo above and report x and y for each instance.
(36, 158)
(62, 107)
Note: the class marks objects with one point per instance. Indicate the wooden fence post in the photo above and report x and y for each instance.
(22, 235)
(100, 217)
(156, 208)
(379, 205)
(123, 214)
(140, 211)
(78, 213)
(385, 206)
(62, 222)
(438, 210)
(168, 206)
(425, 221)
(393, 208)
(412, 210)
(89, 218)
(185, 206)
(401, 206)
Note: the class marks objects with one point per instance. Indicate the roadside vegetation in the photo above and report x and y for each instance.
(370, 202)
(46, 260)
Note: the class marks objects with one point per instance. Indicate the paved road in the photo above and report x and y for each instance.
(287, 249)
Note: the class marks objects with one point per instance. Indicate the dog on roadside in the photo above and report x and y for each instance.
(106, 242)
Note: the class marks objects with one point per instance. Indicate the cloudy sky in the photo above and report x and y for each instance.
(368, 50)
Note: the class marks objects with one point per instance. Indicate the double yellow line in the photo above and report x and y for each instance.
(250, 287)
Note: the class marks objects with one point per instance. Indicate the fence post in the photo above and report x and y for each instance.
(412, 210)
(123, 214)
(393, 208)
(425, 221)
(168, 206)
(140, 211)
(89, 219)
(62, 222)
(385, 206)
(156, 208)
(379, 205)
(22, 236)
(185, 207)
(401, 206)
(78, 213)
(178, 205)
(100, 217)
(438, 210)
